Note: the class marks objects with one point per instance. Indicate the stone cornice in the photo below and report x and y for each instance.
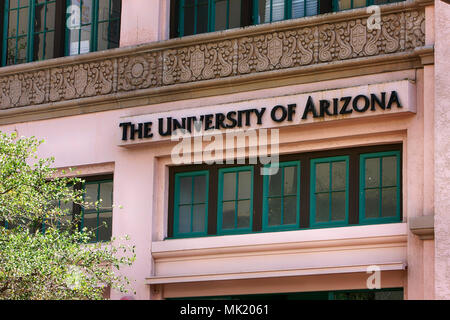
(111, 79)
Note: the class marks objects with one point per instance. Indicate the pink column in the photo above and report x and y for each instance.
(144, 21)
(442, 150)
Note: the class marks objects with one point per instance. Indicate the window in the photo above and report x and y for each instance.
(191, 203)
(329, 191)
(281, 206)
(189, 17)
(94, 25)
(235, 200)
(379, 187)
(30, 30)
(39, 29)
(98, 219)
(335, 188)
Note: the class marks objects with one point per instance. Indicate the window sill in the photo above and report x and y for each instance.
(310, 238)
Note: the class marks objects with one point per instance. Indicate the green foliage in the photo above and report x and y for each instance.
(60, 262)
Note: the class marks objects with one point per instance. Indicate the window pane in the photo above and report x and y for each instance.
(290, 210)
(322, 207)
(245, 185)
(90, 222)
(243, 214)
(277, 10)
(389, 202)
(103, 10)
(262, 17)
(91, 194)
(229, 186)
(86, 11)
(200, 189)
(298, 8)
(345, 4)
(228, 215)
(13, 4)
(235, 14)
(189, 14)
(389, 174)
(105, 226)
(23, 21)
(116, 9)
(49, 45)
(102, 40)
(311, 7)
(38, 47)
(12, 28)
(22, 44)
(198, 225)
(51, 16)
(338, 175)
(184, 219)
(275, 183)
(185, 190)
(359, 3)
(372, 172)
(274, 211)
(372, 203)
(11, 54)
(202, 16)
(338, 206)
(39, 17)
(220, 15)
(322, 177)
(290, 180)
(106, 192)
(114, 34)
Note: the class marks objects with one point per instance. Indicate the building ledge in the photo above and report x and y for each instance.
(277, 273)
(423, 227)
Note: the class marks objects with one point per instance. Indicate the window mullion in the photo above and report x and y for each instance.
(94, 27)
(236, 204)
(191, 228)
(282, 195)
(381, 188)
(330, 195)
(30, 36)
(5, 32)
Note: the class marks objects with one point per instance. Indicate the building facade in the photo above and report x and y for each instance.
(289, 149)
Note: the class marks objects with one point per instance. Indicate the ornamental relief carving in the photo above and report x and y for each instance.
(294, 47)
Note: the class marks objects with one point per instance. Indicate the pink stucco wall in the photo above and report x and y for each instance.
(442, 150)
(144, 21)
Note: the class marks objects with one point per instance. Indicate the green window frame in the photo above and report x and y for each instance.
(235, 201)
(90, 24)
(316, 190)
(379, 187)
(25, 34)
(281, 195)
(101, 212)
(192, 202)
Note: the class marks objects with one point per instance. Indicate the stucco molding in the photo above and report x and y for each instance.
(422, 226)
(210, 60)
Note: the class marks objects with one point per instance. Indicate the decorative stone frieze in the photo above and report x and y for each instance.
(279, 46)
